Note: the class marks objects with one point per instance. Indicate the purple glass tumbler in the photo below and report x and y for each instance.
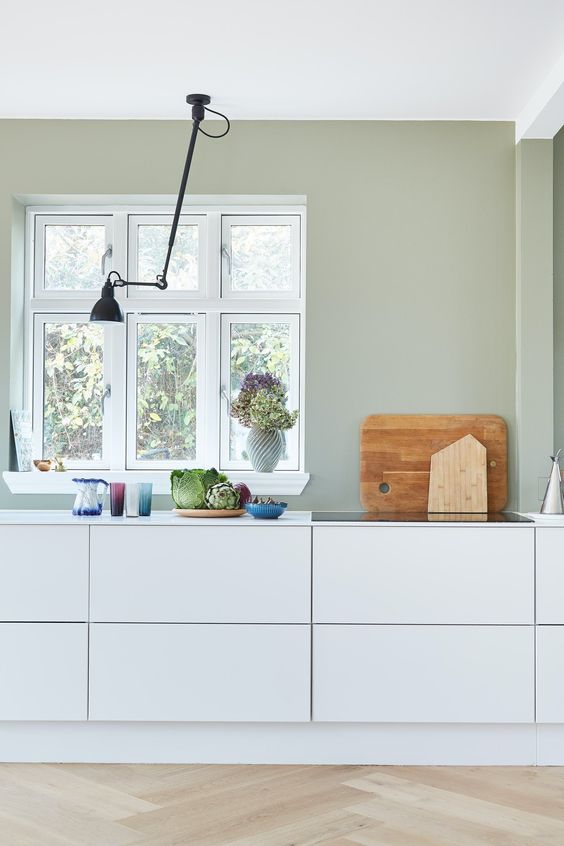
(117, 493)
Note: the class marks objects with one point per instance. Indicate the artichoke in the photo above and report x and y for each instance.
(222, 496)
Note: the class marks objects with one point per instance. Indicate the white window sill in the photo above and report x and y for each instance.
(285, 482)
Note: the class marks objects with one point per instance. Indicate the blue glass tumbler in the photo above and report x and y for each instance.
(145, 498)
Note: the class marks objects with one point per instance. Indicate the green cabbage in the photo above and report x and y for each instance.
(188, 488)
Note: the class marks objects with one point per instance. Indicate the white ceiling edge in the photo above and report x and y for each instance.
(543, 116)
(335, 117)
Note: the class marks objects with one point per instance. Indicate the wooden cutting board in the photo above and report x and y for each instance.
(396, 450)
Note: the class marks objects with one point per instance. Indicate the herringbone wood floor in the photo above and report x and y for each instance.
(118, 805)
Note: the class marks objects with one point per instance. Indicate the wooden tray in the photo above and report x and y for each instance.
(396, 449)
(209, 512)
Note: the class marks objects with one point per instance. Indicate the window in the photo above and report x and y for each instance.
(156, 393)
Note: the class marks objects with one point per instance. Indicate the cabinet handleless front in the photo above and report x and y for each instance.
(433, 574)
(200, 574)
(43, 668)
(180, 672)
(420, 674)
(44, 573)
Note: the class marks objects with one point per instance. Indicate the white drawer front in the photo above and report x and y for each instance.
(44, 573)
(419, 674)
(428, 575)
(43, 668)
(199, 672)
(550, 674)
(201, 575)
(550, 575)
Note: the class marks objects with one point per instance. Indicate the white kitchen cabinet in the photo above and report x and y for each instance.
(43, 671)
(439, 574)
(44, 573)
(550, 674)
(418, 674)
(200, 574)
(550, 575)
(199, 672)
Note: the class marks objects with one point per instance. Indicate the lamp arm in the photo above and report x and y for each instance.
(161, 278)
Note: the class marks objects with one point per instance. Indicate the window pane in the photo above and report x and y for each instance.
(73, 374)
(73, 255)
(261, 257)
(256, 348)
(166, 391)
(152, 247)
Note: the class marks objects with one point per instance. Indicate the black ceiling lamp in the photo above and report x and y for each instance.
(107, 309)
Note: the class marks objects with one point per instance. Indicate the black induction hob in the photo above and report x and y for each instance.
(423, 517)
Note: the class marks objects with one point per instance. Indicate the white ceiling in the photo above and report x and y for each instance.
(297, 59)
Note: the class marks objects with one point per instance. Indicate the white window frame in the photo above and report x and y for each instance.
(137, 220)
(211, 302)
(133, 321)
(38, 246)
(293, 441)
(229, 220)
(39, 322)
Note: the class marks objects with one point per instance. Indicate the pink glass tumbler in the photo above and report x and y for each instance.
(117, 493)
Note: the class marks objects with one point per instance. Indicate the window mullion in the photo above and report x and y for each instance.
(214, 405)
(115, 420)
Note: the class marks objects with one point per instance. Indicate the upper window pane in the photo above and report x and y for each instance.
(73, 254)
(261, 255)
(73, 383)
(166, 391)
(151, 252)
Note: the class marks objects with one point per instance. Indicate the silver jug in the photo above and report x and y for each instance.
(553, 502)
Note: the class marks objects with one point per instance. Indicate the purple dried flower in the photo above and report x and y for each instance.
(259, 381)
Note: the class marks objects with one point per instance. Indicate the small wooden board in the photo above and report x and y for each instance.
(209, 512)
(396, 450)
(458, 481)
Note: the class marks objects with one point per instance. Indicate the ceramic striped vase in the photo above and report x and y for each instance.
(265, 449)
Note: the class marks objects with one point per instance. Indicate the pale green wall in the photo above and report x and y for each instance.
(559, 290)
(410, 266)
(535, 348)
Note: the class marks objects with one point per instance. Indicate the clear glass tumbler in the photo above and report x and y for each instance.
(132, 499)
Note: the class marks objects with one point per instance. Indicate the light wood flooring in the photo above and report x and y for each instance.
(150, 805)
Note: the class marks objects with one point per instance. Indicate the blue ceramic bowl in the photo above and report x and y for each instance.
(263, 511)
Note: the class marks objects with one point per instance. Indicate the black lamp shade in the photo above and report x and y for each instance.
(107, 309)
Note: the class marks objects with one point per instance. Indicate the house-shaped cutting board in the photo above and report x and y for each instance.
(458, 481)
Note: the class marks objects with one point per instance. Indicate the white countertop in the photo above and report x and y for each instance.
(289, 518)
(157, 518)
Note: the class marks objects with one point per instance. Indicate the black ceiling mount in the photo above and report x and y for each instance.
(192, 99)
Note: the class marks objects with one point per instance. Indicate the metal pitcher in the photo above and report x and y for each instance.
(553, 503)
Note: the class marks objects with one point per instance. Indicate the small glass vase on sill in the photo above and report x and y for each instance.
(261, 407)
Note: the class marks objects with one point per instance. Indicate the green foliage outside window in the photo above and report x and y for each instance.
(73, 387)
(166, 391)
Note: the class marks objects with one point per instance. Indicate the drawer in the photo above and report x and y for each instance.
(200, 575)
(423, 575)
(550, 674)
(43, 668)
(550, 575)
(423, 674)
(199, 672)
(44, 573)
